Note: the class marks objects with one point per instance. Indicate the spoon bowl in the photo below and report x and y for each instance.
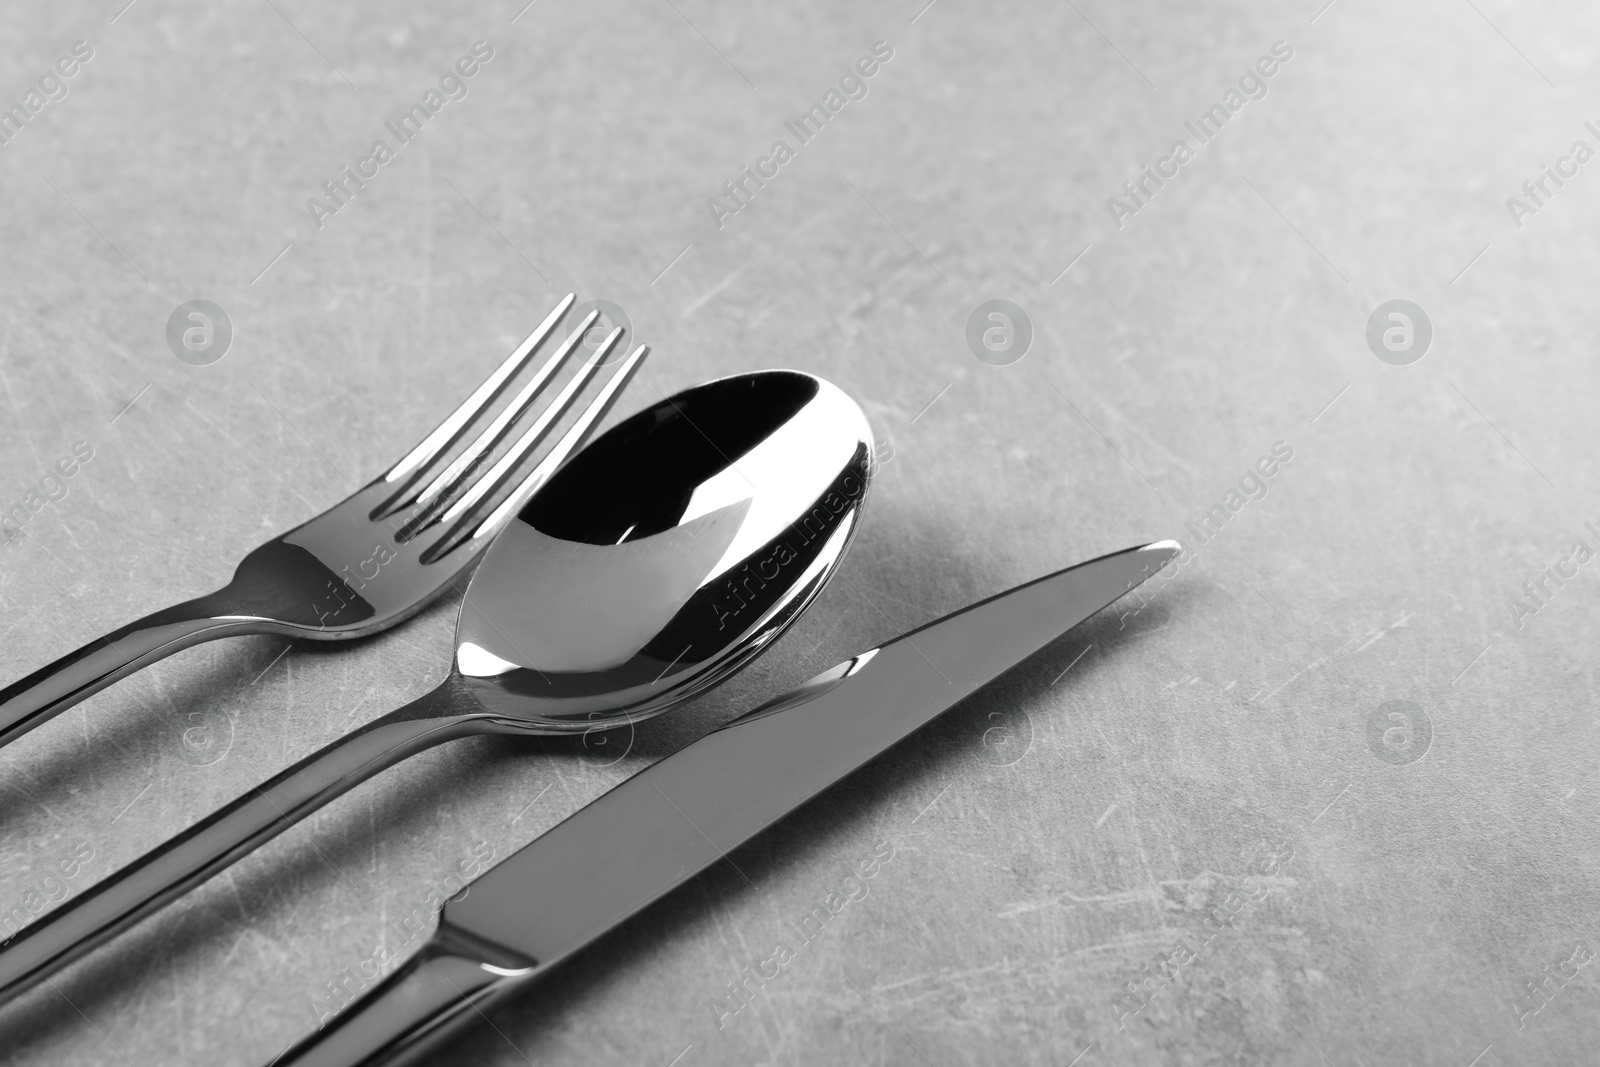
(659, 560)
(682, 542)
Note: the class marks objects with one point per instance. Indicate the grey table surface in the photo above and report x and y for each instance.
(1399, 880)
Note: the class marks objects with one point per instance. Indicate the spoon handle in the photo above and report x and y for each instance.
(172, 869)
(53, 689)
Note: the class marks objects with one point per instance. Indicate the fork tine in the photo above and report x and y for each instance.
(570, 441)
(448, 479)
(535, 433)
(447, 430)
(530, 438)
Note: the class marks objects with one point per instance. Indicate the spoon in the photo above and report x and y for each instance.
(660, 559)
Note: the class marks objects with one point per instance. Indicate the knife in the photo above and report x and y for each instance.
(681, 814)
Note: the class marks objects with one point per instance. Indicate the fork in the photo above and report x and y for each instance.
(372, 560)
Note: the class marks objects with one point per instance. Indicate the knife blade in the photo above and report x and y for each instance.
(683, 813)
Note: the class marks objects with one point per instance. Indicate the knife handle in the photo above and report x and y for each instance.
(448, 986)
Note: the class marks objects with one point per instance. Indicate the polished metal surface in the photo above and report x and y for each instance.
(660, 559)
(372, 560)
(687, 811)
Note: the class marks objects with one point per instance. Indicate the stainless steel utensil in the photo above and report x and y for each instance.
(662, 558)
(372, 560)
(687, 811)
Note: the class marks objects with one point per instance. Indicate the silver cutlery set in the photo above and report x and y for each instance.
(613, 582)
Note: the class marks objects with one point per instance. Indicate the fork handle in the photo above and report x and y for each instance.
(168, 871)
(448, 986)
(51, 690)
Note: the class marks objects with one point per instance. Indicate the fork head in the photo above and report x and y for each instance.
(384, 552)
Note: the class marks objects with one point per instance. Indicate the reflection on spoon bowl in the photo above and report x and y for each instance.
(677, 546)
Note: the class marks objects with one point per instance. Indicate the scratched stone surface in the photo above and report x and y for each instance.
(1325, 795)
